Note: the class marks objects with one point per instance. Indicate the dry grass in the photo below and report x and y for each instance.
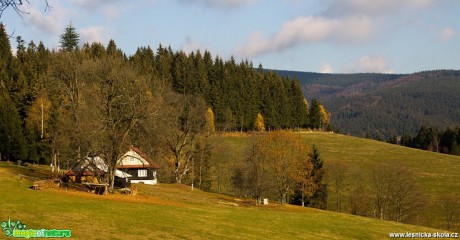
(171, 211)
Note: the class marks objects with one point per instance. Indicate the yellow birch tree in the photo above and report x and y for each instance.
(38, 115)
(210, 127)
(259, 123)
(324, 116)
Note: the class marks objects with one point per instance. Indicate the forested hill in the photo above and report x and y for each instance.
(385, 105)
(74, 100)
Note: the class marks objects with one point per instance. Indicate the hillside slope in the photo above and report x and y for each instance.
(174, 212)
(385, 104)
(437, 174)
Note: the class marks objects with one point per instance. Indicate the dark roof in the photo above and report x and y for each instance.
(144, 156)
(90, 166)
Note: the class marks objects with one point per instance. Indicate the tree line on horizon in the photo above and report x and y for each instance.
(432, 139)
(380, 106)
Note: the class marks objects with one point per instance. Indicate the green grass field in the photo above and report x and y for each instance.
(437, 174)
(170, 211)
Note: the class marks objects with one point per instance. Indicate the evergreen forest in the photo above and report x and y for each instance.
(87, 99)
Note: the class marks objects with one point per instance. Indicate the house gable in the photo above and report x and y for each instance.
(135, 158)
(132, 159)
(139, 166)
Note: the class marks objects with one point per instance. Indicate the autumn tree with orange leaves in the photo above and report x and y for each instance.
(286, 164)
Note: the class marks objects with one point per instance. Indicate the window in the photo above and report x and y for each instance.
(142, 173)
(131, 159)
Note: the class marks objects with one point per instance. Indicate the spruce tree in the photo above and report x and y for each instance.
(13, 144)
(455, 149)
(315, 114)
(69, 39)
(5, 56)
(299, 109)
(20, 44)
(163, 63)
(113, 51)
(319, 198)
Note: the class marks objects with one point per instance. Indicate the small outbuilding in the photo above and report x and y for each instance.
(94, 170)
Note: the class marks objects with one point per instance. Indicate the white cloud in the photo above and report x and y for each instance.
(446, 34)
(224, 4)
(110, 8)
(49, 22)
(420, 3)
(112, 11)
(326, 68)
(373, 7)
(309, 30)
(91, 4)
(375, 64)
(192, 46)
(94, 34)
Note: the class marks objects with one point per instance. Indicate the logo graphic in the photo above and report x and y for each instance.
(9, 227)
(17, 229)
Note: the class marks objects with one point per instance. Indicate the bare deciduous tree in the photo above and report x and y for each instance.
(358, 193)
(184, 122)
(121, 100)
(259, 179)
(451, 209)
(65, 81)
(381, 192)
(396, 194)
(337, 176)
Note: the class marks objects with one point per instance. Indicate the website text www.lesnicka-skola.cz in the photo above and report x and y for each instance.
(423, 235)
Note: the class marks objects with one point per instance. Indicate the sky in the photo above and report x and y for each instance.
(329, 36)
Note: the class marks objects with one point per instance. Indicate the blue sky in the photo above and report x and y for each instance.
(340, 36)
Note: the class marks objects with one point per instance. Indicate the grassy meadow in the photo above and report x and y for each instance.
(170, 211)
(437, 174)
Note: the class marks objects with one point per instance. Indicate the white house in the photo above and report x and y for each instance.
(141, 168)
